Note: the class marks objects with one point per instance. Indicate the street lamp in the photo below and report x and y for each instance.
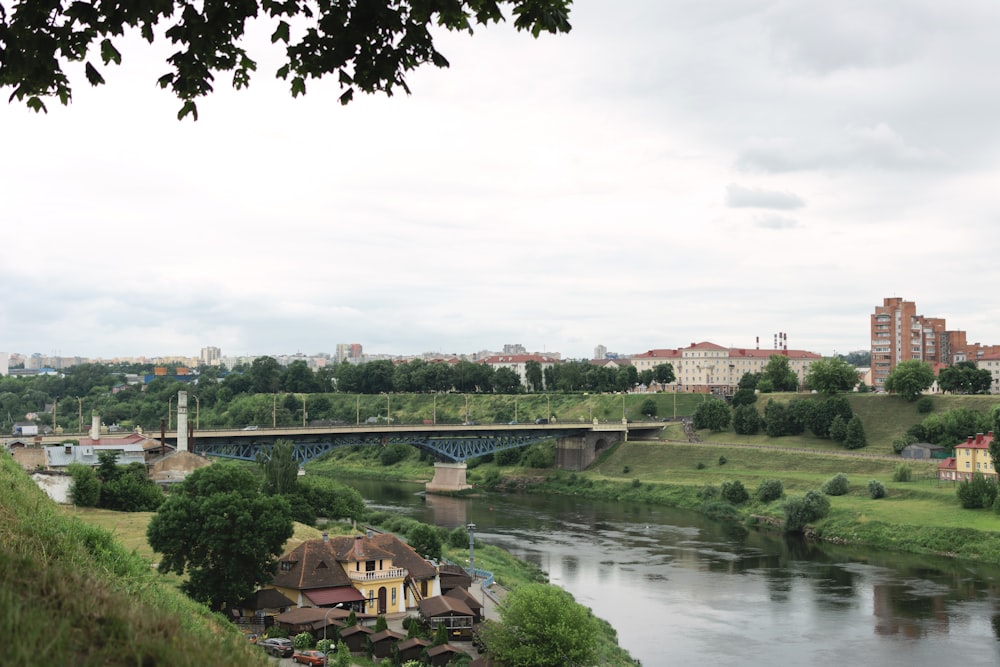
(326, 619)
(170, 411)
(472, 549)
(197, 412)
(80, 427)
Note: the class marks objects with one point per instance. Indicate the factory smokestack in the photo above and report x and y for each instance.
(182, 421)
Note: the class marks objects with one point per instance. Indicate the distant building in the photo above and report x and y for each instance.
(519, 363)
(4, 363)
(971, 456)
(210, 356)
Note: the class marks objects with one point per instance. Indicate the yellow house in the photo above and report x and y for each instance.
(369, 574)
(973, 456)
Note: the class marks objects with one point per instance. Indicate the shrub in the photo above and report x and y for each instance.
(636, 483)
(325, 645)
(977, 492)
(876, 489)
(925, 405)
(537, 457)
(625, 470)
(303, 641)
(458, 538)
(508, 457)
(700, 465)
(800, 511)
(733, 491)
(836, 485)
(902, 473)
(770, 489)
(722, 460)
(708, 492)
(393, 454)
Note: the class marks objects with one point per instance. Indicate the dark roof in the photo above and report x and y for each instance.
(312, 564)
(465, 596)
(442, 648)
(384, 635)
(403, 555)
(267, 598)
(308, 615)
(442, 605)
(355, 629)
(412, 642)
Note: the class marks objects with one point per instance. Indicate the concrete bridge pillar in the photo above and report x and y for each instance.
(448, 477)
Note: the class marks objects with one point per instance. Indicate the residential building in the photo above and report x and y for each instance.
(211, 356)
(971, 456)
(350, 352)
(519, 363)
(712, 369)
(991, 363)
(376, 573)
(899, 333)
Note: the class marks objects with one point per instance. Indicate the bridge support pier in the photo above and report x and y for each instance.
(448, 477)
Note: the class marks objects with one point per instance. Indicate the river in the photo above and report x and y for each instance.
(682, 590)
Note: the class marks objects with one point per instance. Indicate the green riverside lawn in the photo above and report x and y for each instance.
(920, 516)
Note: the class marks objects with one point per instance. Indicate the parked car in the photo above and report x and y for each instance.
(279, 647)
(308, 657)
(541, 420)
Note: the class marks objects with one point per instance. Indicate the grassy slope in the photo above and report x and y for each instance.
(71, 595)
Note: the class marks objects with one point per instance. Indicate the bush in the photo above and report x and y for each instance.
(733, 491)
(977, 492)
(636, 483)
(722, 460)
(925, 405)
(508, 457)
(708, 492)
(700, 466)
(770, 489)
(801, 511)
(902, 473)
(876, 489)
(393, 454)
(836, 485)
(458, 538)
(303, 641)
(537, 457)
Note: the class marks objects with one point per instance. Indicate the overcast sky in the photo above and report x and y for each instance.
(668, 172)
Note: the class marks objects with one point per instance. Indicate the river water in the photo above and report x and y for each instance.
(682, 590)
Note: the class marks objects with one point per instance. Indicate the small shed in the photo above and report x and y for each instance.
(356, 637)
(470, 601)
(411, 649)
(312, 619)
(450, 612)
(452, 576)
(381, 644)
(923, 450)
(443, 654)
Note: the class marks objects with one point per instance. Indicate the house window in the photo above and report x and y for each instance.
(369, 566)
(968, 465)
(394, 595)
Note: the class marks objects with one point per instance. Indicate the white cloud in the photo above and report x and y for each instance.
(738, 196)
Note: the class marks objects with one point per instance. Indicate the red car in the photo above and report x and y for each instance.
(308, 657)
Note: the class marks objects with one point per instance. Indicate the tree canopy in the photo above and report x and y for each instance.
(367, 46)
(543, 625)
(965, 378)
(830, 376)
(220, 530)
(910, 378)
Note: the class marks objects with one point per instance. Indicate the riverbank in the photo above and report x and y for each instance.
(921, 516)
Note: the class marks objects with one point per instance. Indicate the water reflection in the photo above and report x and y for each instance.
(678, 587)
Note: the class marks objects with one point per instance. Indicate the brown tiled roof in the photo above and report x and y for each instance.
(442, 648)
(403, 555)
(355, 629)
(412, 642)
(384, 635)
(267, 598)
(312, 564)
(443, 605)
(465, 596)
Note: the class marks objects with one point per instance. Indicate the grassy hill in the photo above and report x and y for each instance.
(70, 594)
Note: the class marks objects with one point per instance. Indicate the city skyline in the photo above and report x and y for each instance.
(666, 173)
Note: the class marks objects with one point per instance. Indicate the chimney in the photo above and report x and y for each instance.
(182, 421)
(95, 426)
(359, 546)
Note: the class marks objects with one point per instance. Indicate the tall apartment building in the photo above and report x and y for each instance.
(349, 352)
(210, 356)
(899, 333)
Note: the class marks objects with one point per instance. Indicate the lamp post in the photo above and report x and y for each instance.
(326, 619)
(80, 427)
(304, 413)
(472, 549)
(170, 411)
(274, 412)
(197, 412)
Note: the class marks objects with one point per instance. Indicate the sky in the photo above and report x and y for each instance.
(669, 172)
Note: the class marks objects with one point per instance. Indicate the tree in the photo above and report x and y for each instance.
(734, 492)
(801, 511)
(280, 471)
(836, 485)
(664, 373)
(542, 626)
(85, 487)
(648, 408)
(367, 46)
(830, 376)
(855, 437)
(712, 414)
(218, 529)
(777, 375)
(506, 381)
(965, 378)
(533, 375)
(426, 541)
(770, 489)
(746, 420)
(909, 379)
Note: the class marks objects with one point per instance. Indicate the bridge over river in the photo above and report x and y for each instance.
(577, 444)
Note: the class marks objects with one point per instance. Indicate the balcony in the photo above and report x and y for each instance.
(392, 573)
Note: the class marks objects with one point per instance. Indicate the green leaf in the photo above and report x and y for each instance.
(281, 32)
(110, 53)
(36, 105)
(93, 76)
(189, 108)
(347, 96)
(298, 86)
